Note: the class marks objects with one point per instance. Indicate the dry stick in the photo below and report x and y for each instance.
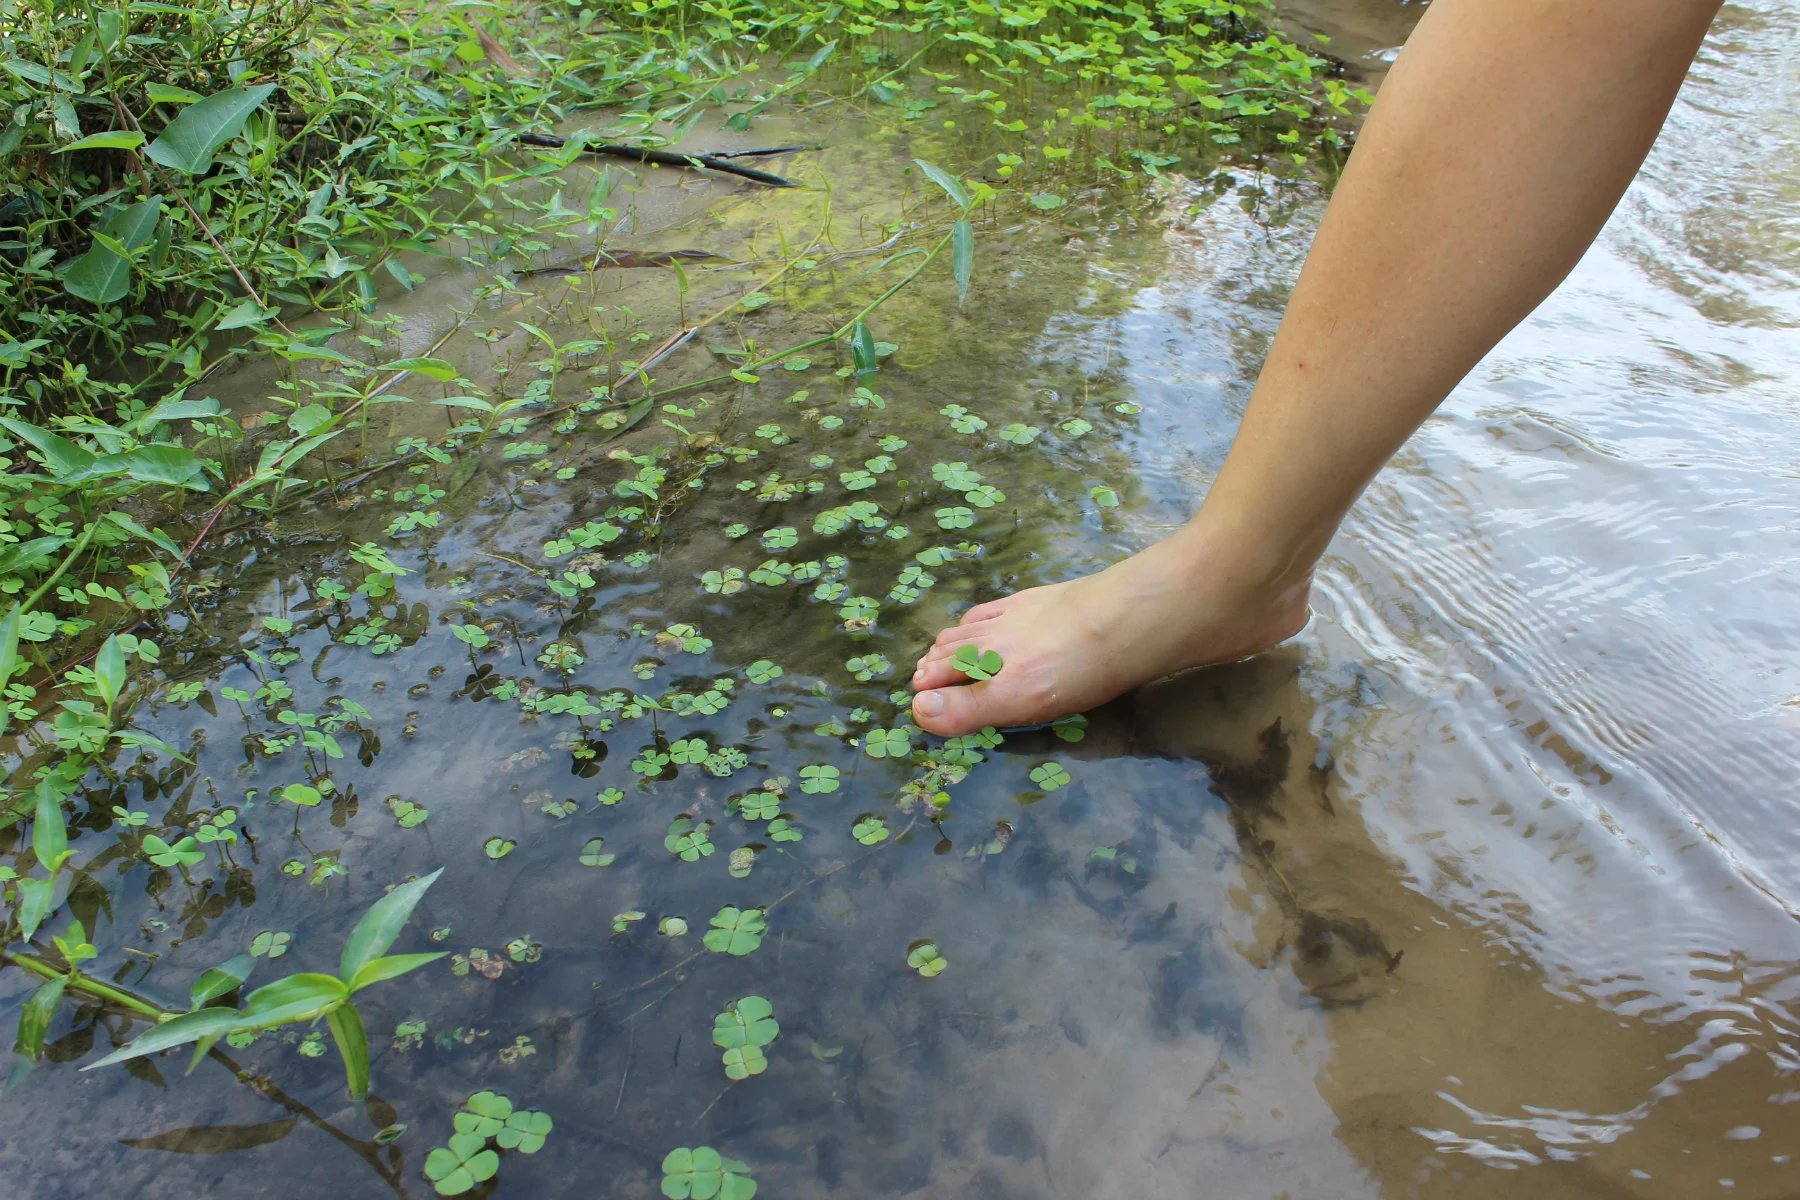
(661, 158)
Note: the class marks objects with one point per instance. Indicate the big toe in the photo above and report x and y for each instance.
(965, 708)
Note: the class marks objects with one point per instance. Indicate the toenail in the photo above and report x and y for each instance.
(928, 704)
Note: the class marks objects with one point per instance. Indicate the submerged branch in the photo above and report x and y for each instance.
(661, 158)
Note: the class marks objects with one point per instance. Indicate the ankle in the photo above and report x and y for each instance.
(1250, 571)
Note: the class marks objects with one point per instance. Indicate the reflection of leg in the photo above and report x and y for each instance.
(1503, 139)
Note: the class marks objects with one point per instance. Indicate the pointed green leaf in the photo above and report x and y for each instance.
(172, 466)
(301, 997)
(177, 1031)
(49, 835)
(244, 313)
(197, 132)
(217, 981)
(35, 896)
(102, 275)
(9, 655)
(862, 350)
(154, 537)
(61, 456)
(391, 967)
(34, 1022)
(109, 670)
(114, 139)
(353, 1043)
(436, 368)
(962, 257)
(945, 180)
(382, 924)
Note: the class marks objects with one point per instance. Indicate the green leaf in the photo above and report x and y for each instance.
(178, 1031)
(945, 180)
(171, 466)
(862, 350)
(116, 139)
(163, 93)
(301, 997)
(390, 967)
(381, 925)
(353, 1043)
(217, 981)
(101, 275)
(9, 655)
(61, 456)
(34, 1021)
(436, 368)
(962, 256)
(197, 132)
(35, 896)
(735, 931)
(245, 312)
(49, 835)
(109, 670)
(154, 537)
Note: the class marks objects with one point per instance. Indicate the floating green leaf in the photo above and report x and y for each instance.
(736, 931)
(702, 1173)
(887, 743)
(923, 957)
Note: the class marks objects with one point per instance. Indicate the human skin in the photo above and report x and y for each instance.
(1499, 144)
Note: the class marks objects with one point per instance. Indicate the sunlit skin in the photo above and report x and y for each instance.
(1501, 141)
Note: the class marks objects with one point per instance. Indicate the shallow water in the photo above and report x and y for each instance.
(1484, 887)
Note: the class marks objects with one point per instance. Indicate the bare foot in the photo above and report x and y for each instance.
(1075, 645)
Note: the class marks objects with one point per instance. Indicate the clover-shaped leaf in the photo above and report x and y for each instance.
(870, 830)
(460, 1166)
(923, 957)
(702, 1173)
(483, 1114)
(887, 743)
(689, 750)
(759, 805)
(955, 517)
(524, 1131)
(762, 671)
(595, 854)
(746, 1022)
(783, 829)
(860, 609)
(688, 841)
(819, 778)
(1050, 776)
(741, 1062)
(735, 930)
(976, 663)
(271, 943)
(184, 853)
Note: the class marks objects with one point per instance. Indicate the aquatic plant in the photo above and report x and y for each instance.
(702, 1173)
(300, 998)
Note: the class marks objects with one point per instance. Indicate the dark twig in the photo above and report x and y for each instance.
(661, 158)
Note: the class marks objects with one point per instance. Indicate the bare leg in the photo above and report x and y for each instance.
(1501, 141)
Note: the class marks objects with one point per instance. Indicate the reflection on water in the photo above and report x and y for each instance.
(1484, 887)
